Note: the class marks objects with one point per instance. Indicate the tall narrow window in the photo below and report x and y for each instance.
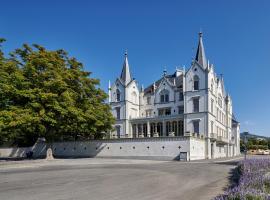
(196, 126)
(164, 96)
(117, 112)
(180, 109)
(118, 95)
(181, 96)
(168, 111)
(212, 127)
(196, 107)
(196, 82)
(212, 106)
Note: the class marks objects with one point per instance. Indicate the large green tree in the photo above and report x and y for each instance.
(48, 94)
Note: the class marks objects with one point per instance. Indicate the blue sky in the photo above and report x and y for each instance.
(156, 34)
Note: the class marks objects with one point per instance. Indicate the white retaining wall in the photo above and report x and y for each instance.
(165, 148)
(14, 152)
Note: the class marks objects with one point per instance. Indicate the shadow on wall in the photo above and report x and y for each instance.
(77, 149)
(17, 153)
(38, 150)
(60, 150)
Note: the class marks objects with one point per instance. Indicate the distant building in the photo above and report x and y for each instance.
(182, 104)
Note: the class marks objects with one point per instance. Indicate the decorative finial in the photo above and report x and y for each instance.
(164, 71)
(142, 88)
(200, 33)
(126, 52)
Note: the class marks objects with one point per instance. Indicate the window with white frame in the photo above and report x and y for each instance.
(118, 95)
(164, 96)
(181, 96)
(117, 112)
(180, 109)
(196, 104)
(212, 127)
(164, 111)
(196, 126)
(196, 83)
(212, 106)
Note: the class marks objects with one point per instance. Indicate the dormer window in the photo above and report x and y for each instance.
(196, 82)
(164, 96)
(118, 95)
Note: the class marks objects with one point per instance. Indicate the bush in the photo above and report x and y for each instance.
(253, 181)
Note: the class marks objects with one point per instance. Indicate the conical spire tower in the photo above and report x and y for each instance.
(125, 74)
(200, 55)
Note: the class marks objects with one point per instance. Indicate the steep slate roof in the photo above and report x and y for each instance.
(234, 119)
(170, 78)
(125, 74)
(200, 55)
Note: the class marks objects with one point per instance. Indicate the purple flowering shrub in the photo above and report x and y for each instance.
(252, 181)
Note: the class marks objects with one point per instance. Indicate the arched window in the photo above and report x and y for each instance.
(118, 95)
(196, 81)
(164, 96)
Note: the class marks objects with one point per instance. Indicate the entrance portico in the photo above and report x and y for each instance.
(163, 126)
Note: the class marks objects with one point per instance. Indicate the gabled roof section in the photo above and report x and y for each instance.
(234, 120)
(171, 79)
(200, 54)
(125, 74)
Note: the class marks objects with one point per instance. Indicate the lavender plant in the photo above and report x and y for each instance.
(253, 181)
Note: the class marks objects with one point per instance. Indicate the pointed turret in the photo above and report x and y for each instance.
(125, 74)
(200, 55)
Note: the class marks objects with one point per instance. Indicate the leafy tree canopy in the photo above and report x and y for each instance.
(48, 94)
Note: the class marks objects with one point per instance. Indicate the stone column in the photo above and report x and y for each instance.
(164, 128)
(141, 131)
(171, 131)
(155, 130)
(148, 129)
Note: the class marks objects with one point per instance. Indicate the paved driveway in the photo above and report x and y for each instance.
(111, 179)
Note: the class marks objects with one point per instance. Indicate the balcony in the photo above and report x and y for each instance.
(213, 136)
(222, 140)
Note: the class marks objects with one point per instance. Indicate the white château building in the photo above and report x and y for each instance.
(183, 104)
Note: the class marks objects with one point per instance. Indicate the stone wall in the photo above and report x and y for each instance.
(163, 148)
(14, 152)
